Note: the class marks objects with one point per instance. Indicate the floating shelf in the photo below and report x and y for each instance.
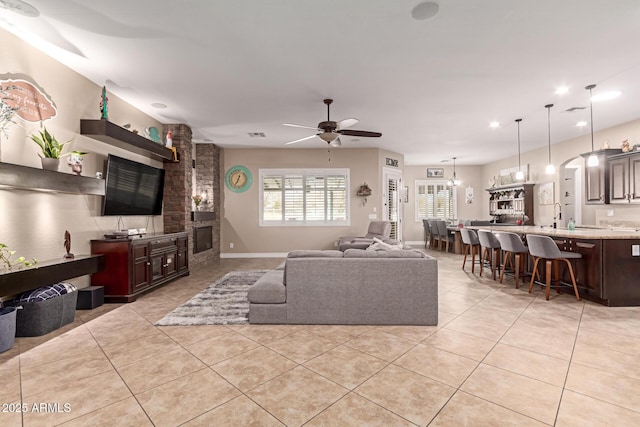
(110, 133)
(48, 272)
(28, 178)
(203, 216)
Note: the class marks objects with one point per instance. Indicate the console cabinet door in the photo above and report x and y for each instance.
(140, 268)
(183, 258)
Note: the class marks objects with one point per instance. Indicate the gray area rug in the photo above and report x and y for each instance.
(222, 303)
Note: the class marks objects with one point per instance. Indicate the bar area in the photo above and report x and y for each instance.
(608, 271)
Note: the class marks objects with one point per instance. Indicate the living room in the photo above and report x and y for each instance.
(36, 221)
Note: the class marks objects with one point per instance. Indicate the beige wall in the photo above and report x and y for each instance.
(562, 153)
(33, 223)
(240, 216)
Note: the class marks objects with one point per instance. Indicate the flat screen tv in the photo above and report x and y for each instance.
(132, 188)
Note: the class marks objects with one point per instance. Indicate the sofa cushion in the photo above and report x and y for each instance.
(268, 289)
(315, 254)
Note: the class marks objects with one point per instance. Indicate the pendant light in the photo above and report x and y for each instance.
(592, 161)
(519, 174)
(550, 169)
(454, 181)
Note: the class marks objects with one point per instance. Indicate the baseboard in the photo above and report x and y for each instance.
(254, 255)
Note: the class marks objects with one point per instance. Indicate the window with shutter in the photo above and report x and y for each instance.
(312, 197)
(435, 199)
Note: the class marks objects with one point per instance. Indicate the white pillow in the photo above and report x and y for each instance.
(380, 245)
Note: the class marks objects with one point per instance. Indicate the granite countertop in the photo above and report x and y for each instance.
(579, 233)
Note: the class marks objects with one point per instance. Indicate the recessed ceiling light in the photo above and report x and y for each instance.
(562, 90)
(494, 125)
(425, 10)
(159, 105)
(605, 96)
(20, 7)
(581, 123)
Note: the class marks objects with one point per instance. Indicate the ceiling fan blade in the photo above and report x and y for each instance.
(359, 133)
(301, 139)
(347, 123)
(300, 126)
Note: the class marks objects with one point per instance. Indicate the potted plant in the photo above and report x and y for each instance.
(51, 149)
(6, 263)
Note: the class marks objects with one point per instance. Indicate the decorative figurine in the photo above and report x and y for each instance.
(169, 142)
(75, 162)
(67, 245)
(104, 113)
(625, 146)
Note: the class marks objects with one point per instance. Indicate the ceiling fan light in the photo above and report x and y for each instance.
(550, 169)
(520, 175)
(328, 137)
(593, 161)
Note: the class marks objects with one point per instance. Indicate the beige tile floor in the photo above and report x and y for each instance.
(499, 356)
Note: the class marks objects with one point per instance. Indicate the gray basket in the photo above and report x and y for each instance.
(7, 328)
(41, 317)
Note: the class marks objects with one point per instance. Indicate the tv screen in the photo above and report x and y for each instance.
(132, 188)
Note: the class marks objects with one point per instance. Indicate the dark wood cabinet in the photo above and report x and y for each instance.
(624, 172)
(511, 203)
(134, 266)
(597, 185)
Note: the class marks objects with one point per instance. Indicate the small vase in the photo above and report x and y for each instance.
(50, 164)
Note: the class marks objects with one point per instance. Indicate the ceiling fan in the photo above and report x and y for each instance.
(330, 131)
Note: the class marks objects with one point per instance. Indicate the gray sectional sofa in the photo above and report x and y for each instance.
(357, 287)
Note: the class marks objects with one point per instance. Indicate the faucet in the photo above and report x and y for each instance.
(559, 216)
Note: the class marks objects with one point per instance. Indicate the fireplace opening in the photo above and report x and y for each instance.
(202, 239)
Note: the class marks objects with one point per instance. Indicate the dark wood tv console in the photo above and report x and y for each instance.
(136, 265)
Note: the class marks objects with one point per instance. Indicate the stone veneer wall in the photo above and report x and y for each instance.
(207, 172)
(178, 190)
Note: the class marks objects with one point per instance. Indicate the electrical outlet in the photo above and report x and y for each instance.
(635, 250)
(373, 216)
(610, 212)
(335, 243)
(230, 245)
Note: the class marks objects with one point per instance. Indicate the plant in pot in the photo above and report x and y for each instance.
(51, 149)
(7, 263)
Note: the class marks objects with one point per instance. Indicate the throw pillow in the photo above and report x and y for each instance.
(380, 245)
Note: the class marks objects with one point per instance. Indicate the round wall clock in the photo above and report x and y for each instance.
(238, 179)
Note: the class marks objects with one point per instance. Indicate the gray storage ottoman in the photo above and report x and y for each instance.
(41, 317)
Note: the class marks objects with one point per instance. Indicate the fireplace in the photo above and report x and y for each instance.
(202, 239)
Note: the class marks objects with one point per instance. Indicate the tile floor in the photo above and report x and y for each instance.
(499, 356)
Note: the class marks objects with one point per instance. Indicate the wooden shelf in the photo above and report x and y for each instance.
(110, 133)
(49, 272)
(203, 216)
(27, 178)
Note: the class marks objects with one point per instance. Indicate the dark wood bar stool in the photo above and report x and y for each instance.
(512, 245)
(470, 244)
(543, 247)
(490, 250)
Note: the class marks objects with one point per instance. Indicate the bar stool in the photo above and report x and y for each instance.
(490, 250)
(512, 244)
(471, 244)
(543, 247)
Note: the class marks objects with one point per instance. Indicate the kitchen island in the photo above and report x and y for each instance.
(609, 270)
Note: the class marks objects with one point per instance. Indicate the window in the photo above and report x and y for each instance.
(311, 197)
(435, 199)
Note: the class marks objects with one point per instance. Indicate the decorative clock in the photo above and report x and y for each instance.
(238, 179)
